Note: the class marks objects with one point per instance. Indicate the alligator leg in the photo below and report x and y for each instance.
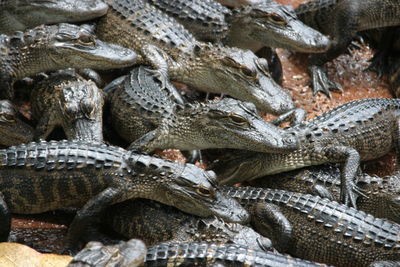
(44, 127)
(351, 159)
(5, 220)
(88, 213)
(295, 116)
(157, 59)
(269, 221)
(145, 144)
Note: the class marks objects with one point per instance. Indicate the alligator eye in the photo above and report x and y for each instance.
(86, 40)
(276, 19)
(248, 72)
(204, 191)
(237, 119)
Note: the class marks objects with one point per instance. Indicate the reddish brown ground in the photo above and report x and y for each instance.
(46, 232)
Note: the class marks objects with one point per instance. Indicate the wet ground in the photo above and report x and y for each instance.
(47, 232)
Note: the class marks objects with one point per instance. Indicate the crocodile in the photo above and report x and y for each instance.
(359, 130)
(19, 15)
(317, 229)
(248, 27)
(154, 222)
(341, 20)
(383, 193)
(165, 45)
(46, 48)
(13, 129)
(44, 176)
(66, 99)
(140, 107)
(205, 254)
(131, 253)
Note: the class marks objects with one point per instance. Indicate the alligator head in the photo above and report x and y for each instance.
(276, 25)
(239, 73)
(186, 187)
(13, 130)
(228, 123)
(81, 110)
(23, 14)
(77, 46)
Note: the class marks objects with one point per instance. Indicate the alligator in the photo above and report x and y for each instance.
(18, 15)
(131, 253)
(165, 45)
(317, 229)
(44, 176)
(359, 130)
(341, 20)
(248, 27)
(154, 222)
(66, 99)
(47, 48)
(188, 254)
(140, 107)
(382, 193)
(14, 130)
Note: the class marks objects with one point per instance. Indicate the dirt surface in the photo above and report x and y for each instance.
(47, 232)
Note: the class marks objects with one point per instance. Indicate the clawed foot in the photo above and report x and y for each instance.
(321, 82)
(349, 195)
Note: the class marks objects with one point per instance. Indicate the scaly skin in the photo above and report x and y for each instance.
(139, 105)
(359, 130)
(165, 45)
(68, 100)
(154, 222)
(44, 176)
(183, 254)
(249, 27)
(13, 131)
(383, 194)
(317, 229)
(47, 48)
(211, 254)
(19, 15)
(342, 20)
(131, 253)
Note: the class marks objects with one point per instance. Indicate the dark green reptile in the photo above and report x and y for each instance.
(123, 254)
(13, 130)
(341, 20)
(359, 130)
(317, 229)
(66, 99)
(166, 46)
(383, 194)
(19, 15)
(154, 222)
(141, 107)
(186, 254)
(39, 177)
(47, 48)
(248, 27)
